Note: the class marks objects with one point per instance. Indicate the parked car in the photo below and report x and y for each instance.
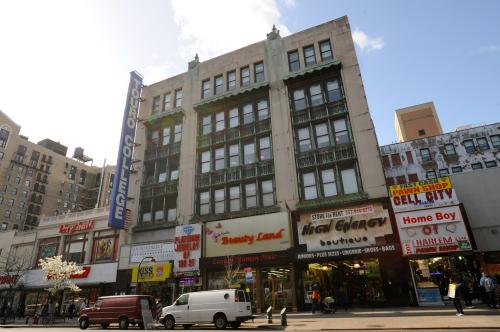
(219, 307)
(121, 309)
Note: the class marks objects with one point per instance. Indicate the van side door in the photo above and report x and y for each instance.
(180, 309)
(244, 306)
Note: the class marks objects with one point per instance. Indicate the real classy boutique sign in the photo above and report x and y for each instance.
(247, 235)
(359, 226)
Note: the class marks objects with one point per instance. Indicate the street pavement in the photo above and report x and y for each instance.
(386, 319)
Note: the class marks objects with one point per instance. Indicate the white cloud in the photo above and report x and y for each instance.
(211, 28)
(290, 4)
(365, 42)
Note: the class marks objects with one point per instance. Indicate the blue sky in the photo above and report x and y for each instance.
(65, 64)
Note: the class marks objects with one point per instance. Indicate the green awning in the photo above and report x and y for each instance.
(310, 70)
(230, 94)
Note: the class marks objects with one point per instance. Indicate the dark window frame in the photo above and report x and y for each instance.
(295, 64)
(325, 42)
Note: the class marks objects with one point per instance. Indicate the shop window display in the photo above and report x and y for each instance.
(105, 245)
(47, 248)
(75, 248)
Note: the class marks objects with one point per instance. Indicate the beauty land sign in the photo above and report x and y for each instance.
(431, 231)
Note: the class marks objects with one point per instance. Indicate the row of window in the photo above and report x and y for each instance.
(7, 214)
(234, 117)
(329, 182)
(332, 132)
(164, 104)
(218, 86)
(257, 149)
(316, 94)
(159, 215)
(236, 198)
(169, 135)
(309, 54)
(11, 201)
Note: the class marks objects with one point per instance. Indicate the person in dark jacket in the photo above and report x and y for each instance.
(457, 297)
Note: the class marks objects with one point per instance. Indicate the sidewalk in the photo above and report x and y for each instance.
(389, 319)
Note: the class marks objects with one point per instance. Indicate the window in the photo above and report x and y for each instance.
(1, 154)
(207, 125)
(1, 199)
(234, 120)
(219, 121)
(265, 148)
(259, 71)
(74, 247)
(326, 50)
(182, 300)
(262, 110)
(205, 89)
(178, 98)
(204, 203)
(219, 159)
(234, 155)
(293, 60)
(166, 136)
(249, 153)
(309, 56)
(304, 139)
(177, 133)
(322, 138)
(205, 162)
(495, 141)
(421, 132)
(396, 159)
(22, 204)
(491, 163)
(4, 226)
(469, 146)
(156, 104)
(426, 154)
(10, 202)
(341, 133)
(400, 179)
(450, 149)
(231, 80)
(267, 193)
(174, 174)
(6, 214)
(431, 175)
(444, 172)
(316, 95)
(299, 100)
(349, 181)
(234, 199)
(171, 214)
(328, 180)
(155, 138)
(250, 195)
(482, 143)
(167, 99)
(248, 116)
(218, 84)
(476, 166)
(456, 169)
(245, 76)
(14, 191)
(219, 201)
(412, 177)
(386, 162)
(333, 91)
(104, 246)
(309, 183)
(47, 248)
(4, 137)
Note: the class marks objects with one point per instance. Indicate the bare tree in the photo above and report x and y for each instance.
(232, 269)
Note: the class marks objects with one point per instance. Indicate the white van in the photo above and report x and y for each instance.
(220, 307)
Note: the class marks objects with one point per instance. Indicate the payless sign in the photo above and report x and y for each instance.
(119, 195)
(187, 248)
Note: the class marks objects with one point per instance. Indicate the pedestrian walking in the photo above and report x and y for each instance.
(71, 310)
(455, 291)
(489, 287)
(315, 300)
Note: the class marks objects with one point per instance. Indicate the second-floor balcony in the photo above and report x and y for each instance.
(163, 151)
(235, 174)
(326, 156)
(159, 189)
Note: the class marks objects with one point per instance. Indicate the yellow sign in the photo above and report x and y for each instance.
(152, 272)
(423, 186)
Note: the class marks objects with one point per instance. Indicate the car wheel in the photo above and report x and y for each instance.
(84, 323)
(105, 325)
(169, 323)
(123, 323)
(235, 325)
(220, 321)
(187, 326)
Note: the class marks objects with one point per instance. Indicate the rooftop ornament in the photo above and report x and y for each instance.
(275, 33)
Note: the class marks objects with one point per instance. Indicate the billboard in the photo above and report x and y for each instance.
(187, 247)
(423, 186)
(119, 195)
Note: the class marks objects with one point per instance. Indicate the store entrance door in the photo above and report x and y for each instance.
(276, 289)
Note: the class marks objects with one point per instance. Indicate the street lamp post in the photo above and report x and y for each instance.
(139, 272)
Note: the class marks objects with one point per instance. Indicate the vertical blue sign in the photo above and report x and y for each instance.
(118, 209)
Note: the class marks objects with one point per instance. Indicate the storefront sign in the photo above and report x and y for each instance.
(369, 226)
(78, 227)
(312, 256)
(432, 231)
(187, 248)
(247, 235)
(427, 185)
(151, 272)
(425, 200)
(119, 195)
(85, 273)
(162, 252)
(259, 259)
(9, 280)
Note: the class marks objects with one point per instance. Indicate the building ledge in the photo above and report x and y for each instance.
(329, 202)
(177, 112)
(145, 227)
(239, 214)
(230, 94)
(309, 70)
